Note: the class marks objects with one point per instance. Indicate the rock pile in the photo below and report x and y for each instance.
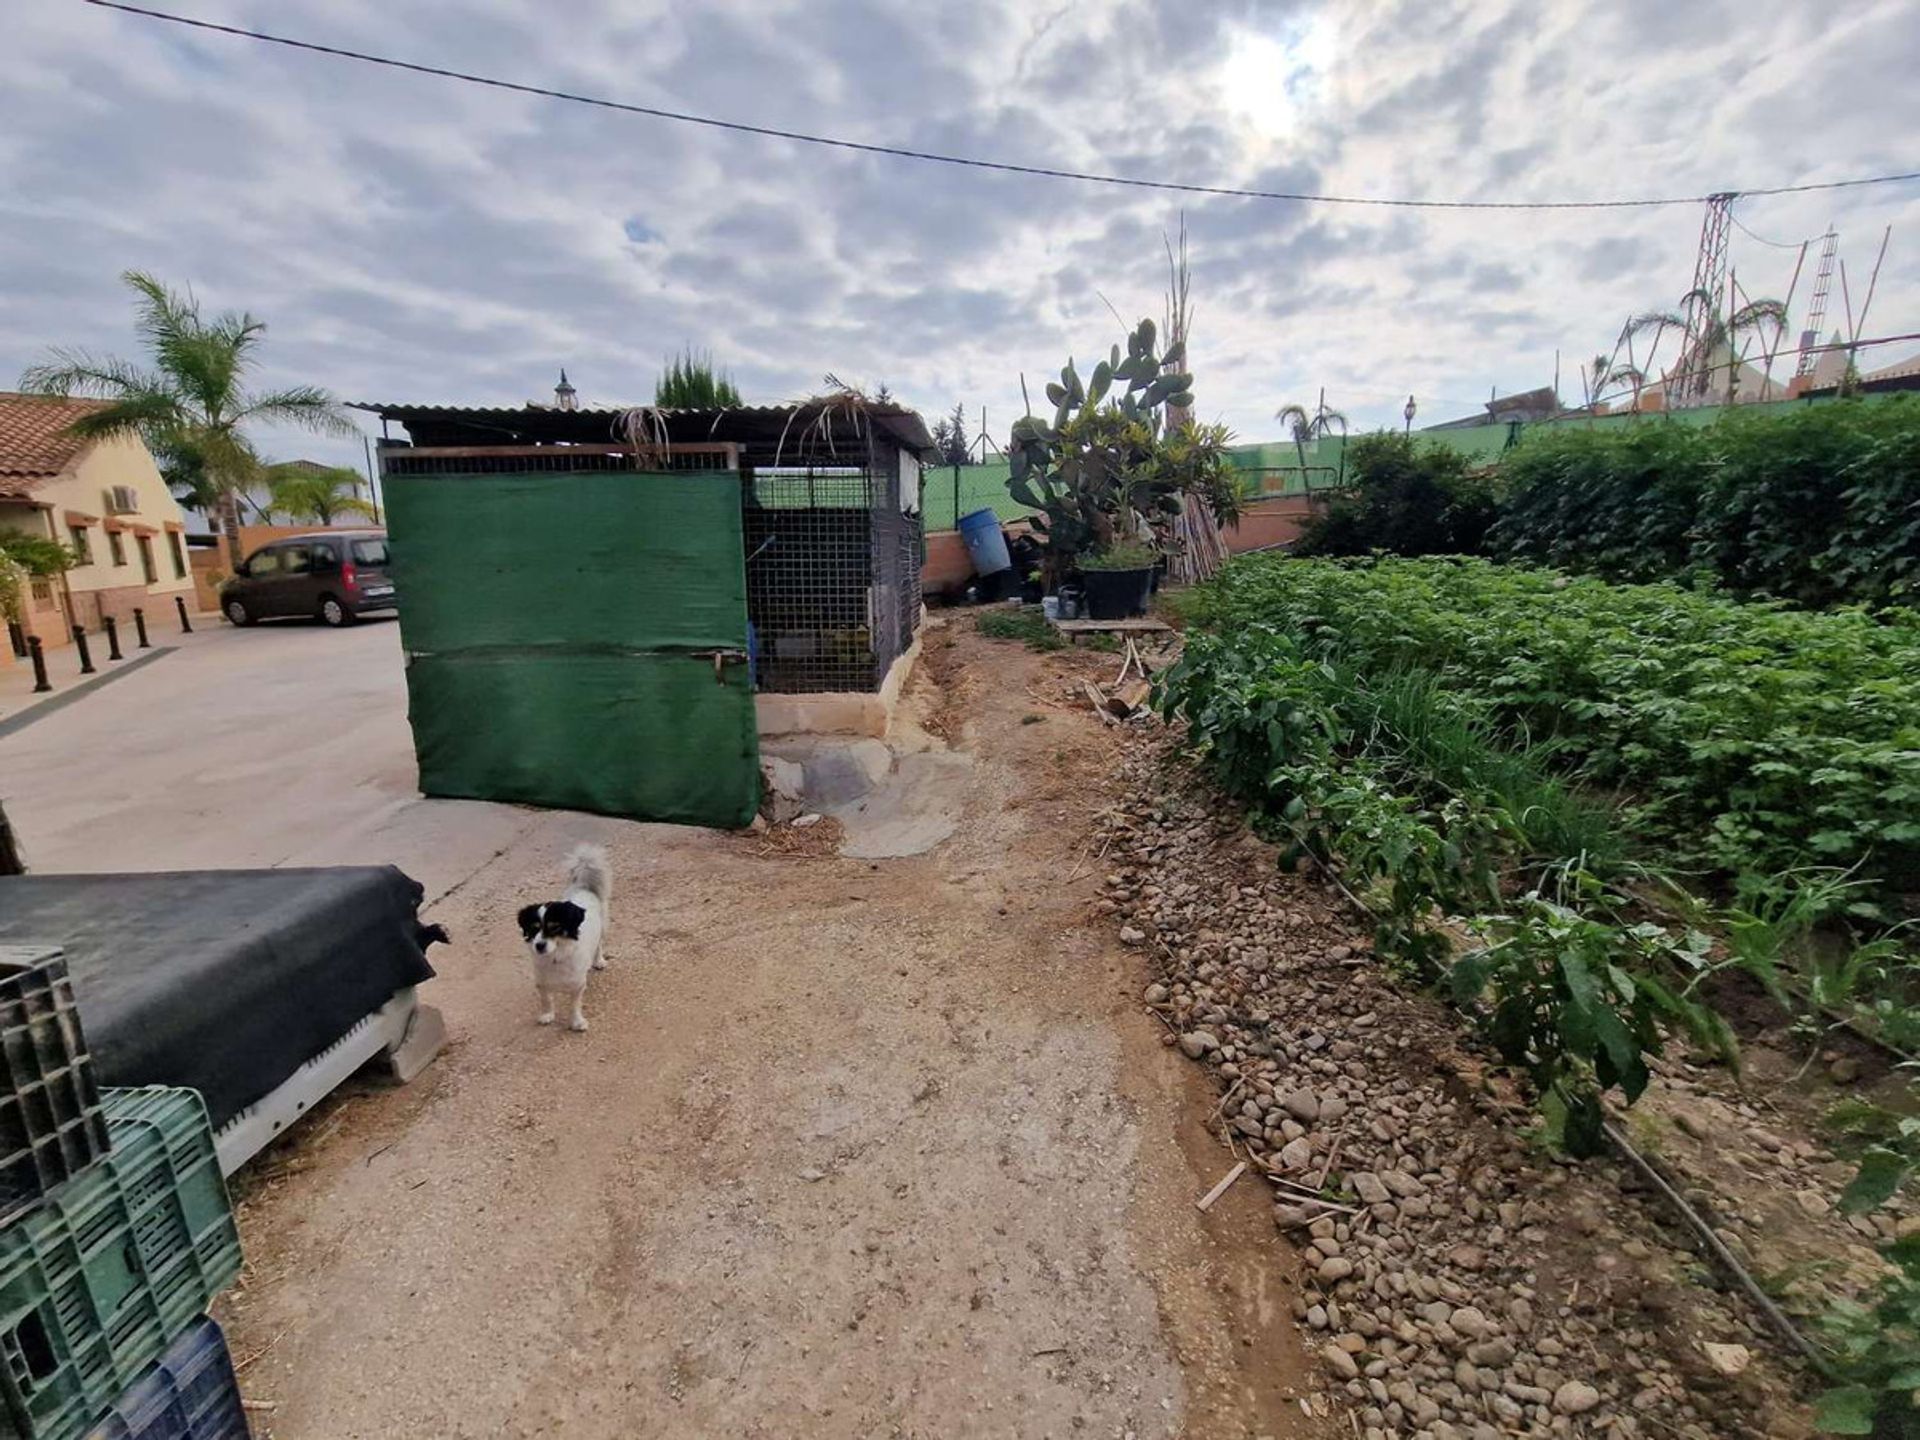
(1457, 1284)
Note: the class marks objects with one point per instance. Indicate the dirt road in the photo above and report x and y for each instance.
(854, 1148)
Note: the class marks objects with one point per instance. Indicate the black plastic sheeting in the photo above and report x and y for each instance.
(224, 980)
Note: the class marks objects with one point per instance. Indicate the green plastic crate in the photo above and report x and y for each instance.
(50, 1123)
(116, 1263)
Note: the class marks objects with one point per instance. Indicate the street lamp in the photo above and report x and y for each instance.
(1408, 412)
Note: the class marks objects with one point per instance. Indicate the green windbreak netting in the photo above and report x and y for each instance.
(551, 623)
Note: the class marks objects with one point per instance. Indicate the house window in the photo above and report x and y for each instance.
(42, 592)
(146, 559)
(82, 547)
(179, 552)
(116, 547)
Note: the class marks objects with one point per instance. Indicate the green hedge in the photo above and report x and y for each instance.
(1819, 505)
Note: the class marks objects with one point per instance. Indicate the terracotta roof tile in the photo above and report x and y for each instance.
(34, 444)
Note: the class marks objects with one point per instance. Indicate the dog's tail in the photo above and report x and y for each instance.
(587, 870)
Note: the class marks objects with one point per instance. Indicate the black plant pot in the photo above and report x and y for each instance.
(1116, 594)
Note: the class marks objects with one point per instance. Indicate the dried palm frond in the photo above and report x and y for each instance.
(643, 429)
(843, 409)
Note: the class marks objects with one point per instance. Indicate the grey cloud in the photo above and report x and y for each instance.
(414, 238)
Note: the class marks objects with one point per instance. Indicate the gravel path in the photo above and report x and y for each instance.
(853, 1149)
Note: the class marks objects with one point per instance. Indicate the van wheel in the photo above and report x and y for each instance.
(334, 613)
(237, 613)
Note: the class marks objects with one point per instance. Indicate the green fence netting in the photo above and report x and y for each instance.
(559, 631)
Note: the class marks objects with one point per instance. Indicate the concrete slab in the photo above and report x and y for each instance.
(913, 810)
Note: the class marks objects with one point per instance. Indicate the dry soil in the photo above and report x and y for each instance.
(853, 1148)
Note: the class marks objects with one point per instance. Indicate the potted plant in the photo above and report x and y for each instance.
(1118, 580)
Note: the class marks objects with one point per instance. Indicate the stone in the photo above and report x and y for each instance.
(1197, 1043)
(1296, 1154)
(1844, 1071)
(783, 786)
(1576, 1397)
(1156, 994)
(1491, 1354)
(1368, 1187)
(1335, 1269)
(808, 820)
(1469, 1321)
(1401, 1183)
(1132, 935)
(1727, 1359)
(1340, 1363)
(1303, 1105)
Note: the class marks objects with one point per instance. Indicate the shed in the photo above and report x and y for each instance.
(602, 609)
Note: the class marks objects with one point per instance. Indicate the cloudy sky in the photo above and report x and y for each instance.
(414, 238)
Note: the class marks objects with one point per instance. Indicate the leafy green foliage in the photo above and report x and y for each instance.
(1578, 1004)
(319, 493)
(24, 558)
(1124, 556)
(1427, 813)
(1406, 499)
(1874, 1352)
(191, 406)
(1817, 505)
(950, 438)
(1753, 739)
(37, 555)
(1105, 469)
(1027, 625)
(690, 382)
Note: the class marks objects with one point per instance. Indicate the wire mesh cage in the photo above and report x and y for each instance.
(832, 556)
(833, 577)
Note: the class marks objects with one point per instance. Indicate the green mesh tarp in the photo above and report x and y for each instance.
(556, 629)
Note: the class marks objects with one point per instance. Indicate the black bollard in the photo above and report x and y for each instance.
(86, 655)
(180, 604)
(17, 638)
(140, 627)
(39, 658)
(113, 637)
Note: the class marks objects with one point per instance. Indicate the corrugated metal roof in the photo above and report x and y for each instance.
(904, 424)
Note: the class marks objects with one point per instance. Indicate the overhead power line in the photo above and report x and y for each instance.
(1776, 244)
(1048, 172)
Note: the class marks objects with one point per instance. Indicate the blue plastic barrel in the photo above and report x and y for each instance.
(985, 543)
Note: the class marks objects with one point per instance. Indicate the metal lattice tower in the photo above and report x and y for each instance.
(1705, 297)
(1817, 306)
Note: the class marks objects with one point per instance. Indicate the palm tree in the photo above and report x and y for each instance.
(189, 403)
(1708, 331)
(1304, 427)
(1606, 371)
(304, 491)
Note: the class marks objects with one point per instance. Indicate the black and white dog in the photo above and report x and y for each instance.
(567, 937)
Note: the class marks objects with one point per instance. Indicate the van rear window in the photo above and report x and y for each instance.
(370, 552)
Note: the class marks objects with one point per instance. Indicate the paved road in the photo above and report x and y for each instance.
(278, 745)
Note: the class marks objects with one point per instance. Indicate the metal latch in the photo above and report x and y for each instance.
(721, 659)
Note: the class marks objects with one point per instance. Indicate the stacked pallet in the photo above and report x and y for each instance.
(115, 1233)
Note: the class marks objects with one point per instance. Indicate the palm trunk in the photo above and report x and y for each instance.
(228, 511)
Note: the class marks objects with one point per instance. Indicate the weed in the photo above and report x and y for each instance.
(1026, 625)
